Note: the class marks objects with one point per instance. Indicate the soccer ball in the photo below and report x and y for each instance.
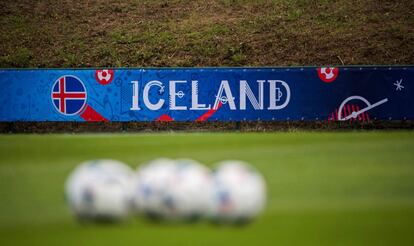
(104, 76)
(188, 196)
(328, 74)
(100, 190)
(173, 189)
(151, 183)
(239, 192)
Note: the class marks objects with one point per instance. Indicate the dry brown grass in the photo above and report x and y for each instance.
(130, 33)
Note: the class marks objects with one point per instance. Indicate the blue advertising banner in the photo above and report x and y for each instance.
(208, 94)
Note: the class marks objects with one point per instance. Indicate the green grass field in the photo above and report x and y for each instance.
(350, 188)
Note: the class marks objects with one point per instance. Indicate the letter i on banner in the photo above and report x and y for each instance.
(135, 95)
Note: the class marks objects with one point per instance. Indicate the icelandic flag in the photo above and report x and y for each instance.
(69, 95)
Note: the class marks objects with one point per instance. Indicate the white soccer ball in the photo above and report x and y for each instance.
(104, 75)
(151, 183)
(189, 194)
(239, 192)
(100, 190)
(173, 189)
(328, 72)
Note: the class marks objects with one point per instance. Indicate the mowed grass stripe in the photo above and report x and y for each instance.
(323, 188)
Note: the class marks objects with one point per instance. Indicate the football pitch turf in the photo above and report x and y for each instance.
(332, 188)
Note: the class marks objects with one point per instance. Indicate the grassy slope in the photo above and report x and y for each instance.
(205, 33)
(324, 188)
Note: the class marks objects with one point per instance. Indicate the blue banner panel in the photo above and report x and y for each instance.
(208, 94)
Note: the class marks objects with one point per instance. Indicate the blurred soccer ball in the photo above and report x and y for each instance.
(100, 190)
(189, 194)
(239, 192)
(151, 183)
(173, 189)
